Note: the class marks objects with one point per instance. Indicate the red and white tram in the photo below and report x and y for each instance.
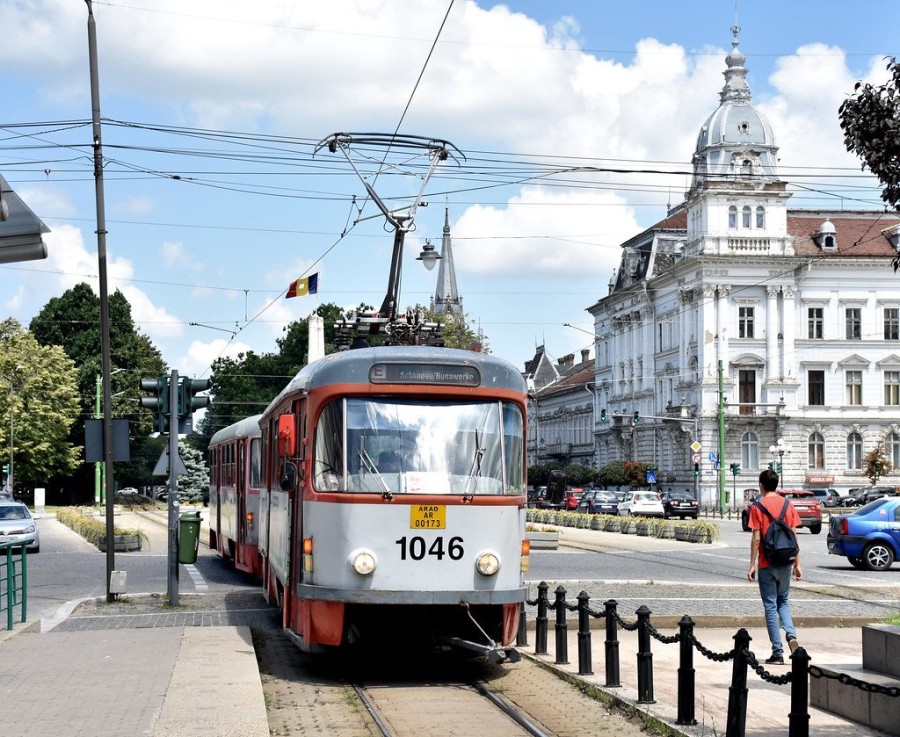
(393, 499)
(234, 483)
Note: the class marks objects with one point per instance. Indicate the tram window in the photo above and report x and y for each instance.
(254, 463)
(438, 447)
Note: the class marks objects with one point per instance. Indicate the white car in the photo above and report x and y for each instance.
(17, 526)
(642, 503)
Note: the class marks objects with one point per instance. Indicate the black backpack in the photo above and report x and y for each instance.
(779, 543)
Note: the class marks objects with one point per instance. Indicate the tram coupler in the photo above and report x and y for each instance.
(494, 653)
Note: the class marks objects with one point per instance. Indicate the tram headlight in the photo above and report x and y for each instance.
(487, 564)
(363, 562)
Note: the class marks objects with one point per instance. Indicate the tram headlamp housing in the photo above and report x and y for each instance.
(363, 562)
(487, 564)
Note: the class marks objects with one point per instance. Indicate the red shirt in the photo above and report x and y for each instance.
(758, 520)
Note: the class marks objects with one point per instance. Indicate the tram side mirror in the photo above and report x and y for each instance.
(287, 437)
(556, 487)
(288, 476)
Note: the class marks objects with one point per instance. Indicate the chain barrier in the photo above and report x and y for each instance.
(707, 653)
(892, 691)
(623, 624)
(763, 673)
(665, 639)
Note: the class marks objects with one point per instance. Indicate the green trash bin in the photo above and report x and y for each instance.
(188, 537)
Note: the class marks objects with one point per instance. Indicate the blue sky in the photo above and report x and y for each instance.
(214, 203)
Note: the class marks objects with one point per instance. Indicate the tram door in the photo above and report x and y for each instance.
(241, 488)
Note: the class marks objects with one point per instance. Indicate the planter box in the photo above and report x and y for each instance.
(121, 543)
(543, 540)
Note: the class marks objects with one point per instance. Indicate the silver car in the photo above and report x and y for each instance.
(18, 526)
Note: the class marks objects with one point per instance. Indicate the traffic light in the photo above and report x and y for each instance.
(636, 418)
(187, 402)
(736, 469)
(158, 401)
(696, 469)
(603, 416)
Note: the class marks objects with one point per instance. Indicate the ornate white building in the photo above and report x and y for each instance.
(799, 308)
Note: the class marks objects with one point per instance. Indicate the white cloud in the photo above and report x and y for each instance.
(198, 357)
(174, 255)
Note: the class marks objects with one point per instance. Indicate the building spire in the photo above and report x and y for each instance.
(736, 88)
(446, 298)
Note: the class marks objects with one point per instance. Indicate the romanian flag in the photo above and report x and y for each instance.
(303, 286)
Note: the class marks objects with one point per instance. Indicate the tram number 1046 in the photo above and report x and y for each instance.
(417, 548)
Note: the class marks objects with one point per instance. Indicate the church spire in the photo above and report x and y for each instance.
(446, 298)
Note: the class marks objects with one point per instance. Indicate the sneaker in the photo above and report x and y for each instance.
(775, 660)
(793, 644)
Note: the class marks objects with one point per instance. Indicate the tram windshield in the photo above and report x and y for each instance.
(407, 446)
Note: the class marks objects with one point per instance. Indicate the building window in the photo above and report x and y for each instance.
(749, 450)
(760, 217)
(816, 451)
(747, 391)
(854, 451)
(892, 444)
(892, 323)
(745, 322)
(815, 321)
(816, 381)
(745, 217)
(854, 323)
(892, 388)
(732, 217)
(854, 387)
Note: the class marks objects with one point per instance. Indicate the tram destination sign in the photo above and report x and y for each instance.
(424, 373)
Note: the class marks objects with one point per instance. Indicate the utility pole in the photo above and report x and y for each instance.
(172, 496)
(721, 417)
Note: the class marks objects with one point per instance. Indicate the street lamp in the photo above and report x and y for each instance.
(779, 449)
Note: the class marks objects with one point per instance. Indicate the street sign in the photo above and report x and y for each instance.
(717, 465)
(162, 465)
(651, 477)
(695, 446)
(695, 458)
(713, 457)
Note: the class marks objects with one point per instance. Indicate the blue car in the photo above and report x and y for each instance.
(869, 537)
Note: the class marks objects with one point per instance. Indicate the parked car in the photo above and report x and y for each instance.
(877, 492)
(18, 526)
(642, 503)
(604, 502)
(680, 504)
(853, 498)
(128, 490)
(827, 497)
(571, 499)
(869, 537)
(805, 502)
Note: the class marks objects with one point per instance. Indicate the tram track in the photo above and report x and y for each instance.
(450, 709)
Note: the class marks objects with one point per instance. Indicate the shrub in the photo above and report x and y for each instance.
(92, 528)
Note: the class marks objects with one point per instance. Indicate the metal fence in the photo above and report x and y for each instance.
(13, 581)
(797, 679)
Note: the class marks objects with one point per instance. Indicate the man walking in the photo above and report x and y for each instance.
(774, 581)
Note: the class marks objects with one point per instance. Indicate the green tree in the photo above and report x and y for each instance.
(636, 473)
(613, 474)
(458, 331)
(194, 485)
(41, 402)
(870, 119)
(876, 463)
(72, 321)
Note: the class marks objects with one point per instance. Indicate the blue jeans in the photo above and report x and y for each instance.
(775, 587)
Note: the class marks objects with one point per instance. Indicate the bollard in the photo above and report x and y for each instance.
(644, 657)
(522, 634)
(584, 635)
(798, 719)
(540, 622)
(736, 720)
(562, 634)
(686, 680)
(611, 645)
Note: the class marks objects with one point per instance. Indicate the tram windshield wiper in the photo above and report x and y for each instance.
(370, 466)
(475, 471)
